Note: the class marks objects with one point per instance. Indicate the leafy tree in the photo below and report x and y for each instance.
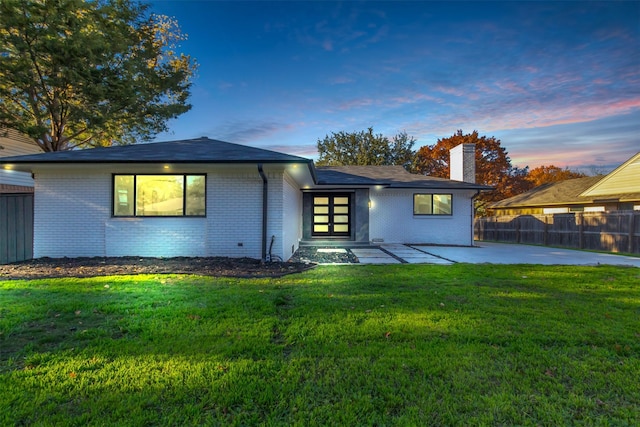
(365, 148)
(546, 174)
(82, 73)
(493, 165)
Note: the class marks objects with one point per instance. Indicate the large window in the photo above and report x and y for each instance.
(159, 195)
(432, 204)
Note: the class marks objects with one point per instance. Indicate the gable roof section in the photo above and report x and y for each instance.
(388, 176)
(205, 150)
(13, 143)
(622, 182)
(199, 150)
(552, 194)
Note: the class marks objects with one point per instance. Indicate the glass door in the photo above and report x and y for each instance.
(331, 213)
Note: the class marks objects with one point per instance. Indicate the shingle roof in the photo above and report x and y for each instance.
(199, 150)
(205, 150)
(389, 176)
(554, 193)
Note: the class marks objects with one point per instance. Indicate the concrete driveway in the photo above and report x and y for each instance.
(483, 253)
(504, 253)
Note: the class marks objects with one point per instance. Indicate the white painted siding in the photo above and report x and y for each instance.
(14, 144)
(624, 179)
(391, 219)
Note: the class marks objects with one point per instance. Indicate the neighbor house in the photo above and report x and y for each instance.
(13, 143)
(619, 190)
(203, 197)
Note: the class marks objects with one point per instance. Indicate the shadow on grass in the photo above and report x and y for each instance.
(335, 345)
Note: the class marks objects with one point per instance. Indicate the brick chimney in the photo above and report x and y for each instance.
(462, 163)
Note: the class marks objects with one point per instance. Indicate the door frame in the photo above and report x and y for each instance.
(359, 215)
(331, 205)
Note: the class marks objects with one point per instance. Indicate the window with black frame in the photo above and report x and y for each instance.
(159, 195)
(432, 204)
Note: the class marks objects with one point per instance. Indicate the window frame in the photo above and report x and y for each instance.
(432, 205)
(134, 202)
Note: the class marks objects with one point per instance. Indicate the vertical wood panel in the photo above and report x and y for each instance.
(4, 232)
(16, 227)
(617, 231)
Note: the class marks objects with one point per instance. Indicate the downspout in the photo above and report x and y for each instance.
(264, 211)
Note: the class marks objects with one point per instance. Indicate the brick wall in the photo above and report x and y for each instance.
(234, 214)
(292, 217)
(73, 218)
(70, 211)
(155, 237)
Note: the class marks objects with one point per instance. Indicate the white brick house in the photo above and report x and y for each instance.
(203, 197)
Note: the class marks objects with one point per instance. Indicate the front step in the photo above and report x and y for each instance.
(335, 244)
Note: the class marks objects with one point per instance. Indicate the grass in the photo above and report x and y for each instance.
(339, 345)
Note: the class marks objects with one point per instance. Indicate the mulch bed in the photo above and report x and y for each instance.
(304, 259)
(99, 266)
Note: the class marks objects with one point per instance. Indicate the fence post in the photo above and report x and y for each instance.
(545, 236)
(518, 226)
(580, 220)
(632, 229)
(495, 228)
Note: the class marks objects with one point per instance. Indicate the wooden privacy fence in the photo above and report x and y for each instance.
(16, 227)
(603, 231)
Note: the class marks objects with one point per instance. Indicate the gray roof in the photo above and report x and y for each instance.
(199, 150)
(555, 193)
(205, 150)
(388, 176)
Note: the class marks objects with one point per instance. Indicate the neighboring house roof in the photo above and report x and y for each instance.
(199, 150)
(621, 185)
(8, 146)
(552, 194)
(389, 176)
(623, 182)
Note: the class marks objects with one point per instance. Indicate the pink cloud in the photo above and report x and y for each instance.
(565, 115)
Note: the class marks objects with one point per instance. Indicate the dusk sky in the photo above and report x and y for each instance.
(556, 82)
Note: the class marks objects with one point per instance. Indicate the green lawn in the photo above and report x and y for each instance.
(339, 345)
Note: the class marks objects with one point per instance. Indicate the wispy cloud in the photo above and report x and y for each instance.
(303, 150)
(247, 131)
(340, 80)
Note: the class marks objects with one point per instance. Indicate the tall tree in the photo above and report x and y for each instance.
(493, 165)
(82, 73)
(545, 174)
(365, 148)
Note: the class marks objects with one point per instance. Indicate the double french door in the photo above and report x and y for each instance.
(331, 215)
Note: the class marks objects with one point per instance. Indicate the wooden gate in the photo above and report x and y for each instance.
(16, 227)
